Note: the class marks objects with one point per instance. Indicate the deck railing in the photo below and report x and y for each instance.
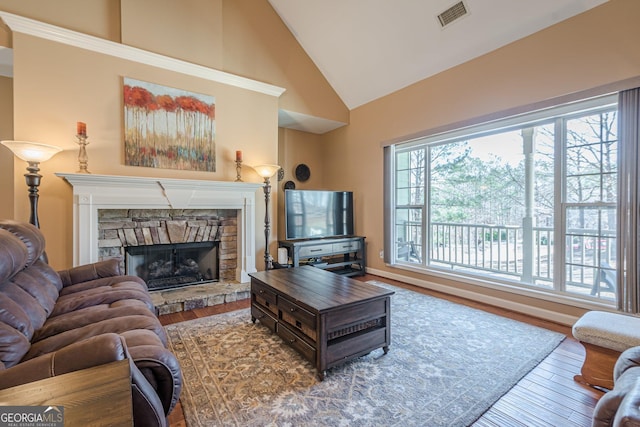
(488, 247)
(501, 249)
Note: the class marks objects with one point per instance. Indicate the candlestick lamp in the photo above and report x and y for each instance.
(83, 158)
(33, 153)
(238, 166)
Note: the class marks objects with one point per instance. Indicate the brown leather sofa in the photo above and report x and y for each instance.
(620, 407)
(52, 323)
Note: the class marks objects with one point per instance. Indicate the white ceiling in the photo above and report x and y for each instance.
(369, 48)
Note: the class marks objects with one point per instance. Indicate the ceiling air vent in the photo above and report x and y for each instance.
(456, 11)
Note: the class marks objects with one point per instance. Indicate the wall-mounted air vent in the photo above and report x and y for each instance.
(456, 11)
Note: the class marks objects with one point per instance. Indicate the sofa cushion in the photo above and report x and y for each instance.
(35, 290)
(103, 281)
(35, 312)
(13, 345)
(14, 316)
(85, 273)
(13, 255)
(116, 325)
(40, 282)
(89, 315)
(30, 235)
(117, 291)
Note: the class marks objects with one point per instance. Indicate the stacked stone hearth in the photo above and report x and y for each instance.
(120, 228)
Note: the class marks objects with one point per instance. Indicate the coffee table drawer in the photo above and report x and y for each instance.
(298, 313)
(298, 318)
(355, 313)
(264, 296)
(263, 317)
(297, 343)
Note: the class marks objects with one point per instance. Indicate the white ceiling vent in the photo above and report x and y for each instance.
(455, 12)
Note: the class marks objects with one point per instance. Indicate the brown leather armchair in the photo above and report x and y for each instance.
(53, 323)
(620, 407)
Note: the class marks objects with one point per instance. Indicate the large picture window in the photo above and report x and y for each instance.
(530, 201)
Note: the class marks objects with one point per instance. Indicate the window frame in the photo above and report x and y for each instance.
(556, 115)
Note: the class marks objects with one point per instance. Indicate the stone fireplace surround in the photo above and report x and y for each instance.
(122, 228)
(96, 195)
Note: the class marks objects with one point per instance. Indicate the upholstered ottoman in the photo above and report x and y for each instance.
(604, 336)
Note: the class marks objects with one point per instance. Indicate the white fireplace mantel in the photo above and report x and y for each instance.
(93, 192)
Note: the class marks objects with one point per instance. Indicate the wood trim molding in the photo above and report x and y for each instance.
(20, 24)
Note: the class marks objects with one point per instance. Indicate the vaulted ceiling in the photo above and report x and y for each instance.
(367, 49)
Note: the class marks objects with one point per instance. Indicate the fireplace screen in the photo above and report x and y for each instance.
(173, 265)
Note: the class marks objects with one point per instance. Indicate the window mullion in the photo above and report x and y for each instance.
(427, 235)
(559, 267)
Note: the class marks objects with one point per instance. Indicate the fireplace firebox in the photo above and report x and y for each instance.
(167, 266)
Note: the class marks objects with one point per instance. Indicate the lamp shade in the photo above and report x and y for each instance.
(266, 171)
(31, 151)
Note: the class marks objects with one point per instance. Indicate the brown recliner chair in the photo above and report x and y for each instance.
(53, 323)
(620, 407)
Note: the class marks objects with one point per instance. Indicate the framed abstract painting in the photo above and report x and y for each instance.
(168, 128)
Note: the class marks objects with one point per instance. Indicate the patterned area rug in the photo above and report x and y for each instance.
(447, 364)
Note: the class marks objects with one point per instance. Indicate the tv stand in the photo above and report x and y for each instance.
(341, 255)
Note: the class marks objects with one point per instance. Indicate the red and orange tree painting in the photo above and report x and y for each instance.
(168, 128)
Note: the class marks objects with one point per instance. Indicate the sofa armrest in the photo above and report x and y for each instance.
(157, 364)
(619, 407)
(148, 410)
(94, 351)
(630, 358)
(628, 413)
(87, 272)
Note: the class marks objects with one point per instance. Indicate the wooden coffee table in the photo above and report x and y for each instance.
(328, 318)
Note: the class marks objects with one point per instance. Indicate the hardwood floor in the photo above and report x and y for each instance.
(547, 396)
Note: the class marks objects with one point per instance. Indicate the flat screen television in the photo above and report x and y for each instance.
(314, 214)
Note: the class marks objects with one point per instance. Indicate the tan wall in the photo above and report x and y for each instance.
(100, 18)
(302, 148)
(7, 183)
(191, 32)
(295, 148)
(243, 37)
(5, 37)
(85, 86)
(257, 44)
(58, 85)
(593, 49)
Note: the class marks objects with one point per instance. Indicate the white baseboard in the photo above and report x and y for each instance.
(554, 316)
